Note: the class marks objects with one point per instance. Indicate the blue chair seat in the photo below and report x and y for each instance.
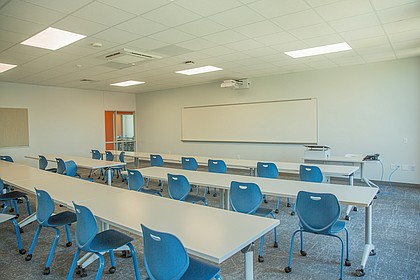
(151, 191)
(12, 195)
(200, 270)
(338, 226)
(61, 219)
(195, 198)
(109, 239)
(263, 212)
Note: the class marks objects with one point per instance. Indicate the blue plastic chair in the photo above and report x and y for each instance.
(43, 163)
(12, 197)
(61, 166)
(46, 218)
(88, 239)
(118, 170)
(71, 170)
(310, 173)
(216, 166)
(318, 213)
(156, 160)
(179, 189)
(269, 170)
(136, 182)
(190, 163)
(6, 158)
(247, 198)
(96, 154)
(165, 258)
(7, 217)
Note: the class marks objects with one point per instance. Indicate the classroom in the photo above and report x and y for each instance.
(364, 100)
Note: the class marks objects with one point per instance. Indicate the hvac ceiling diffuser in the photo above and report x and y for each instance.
(126, 56)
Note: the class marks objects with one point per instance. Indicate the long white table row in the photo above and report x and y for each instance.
(225, 232)
(351, 195)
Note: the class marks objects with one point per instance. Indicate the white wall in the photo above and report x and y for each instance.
(62, 120)
(362, 109)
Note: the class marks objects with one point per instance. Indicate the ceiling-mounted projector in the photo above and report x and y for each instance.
(235, 84)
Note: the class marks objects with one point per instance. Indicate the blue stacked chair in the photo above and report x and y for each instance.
(156, 160)
(136, 183)
(43, 163)
(216, 166)
(190, 163)
(179, 189)
(7, 217)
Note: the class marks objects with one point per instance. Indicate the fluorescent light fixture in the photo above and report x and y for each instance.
(4, 67)
(52, 39)
(199, 70)
(127, 83)
(319, 50)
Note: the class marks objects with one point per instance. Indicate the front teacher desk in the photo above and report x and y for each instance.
(225, 233)
(351, 195)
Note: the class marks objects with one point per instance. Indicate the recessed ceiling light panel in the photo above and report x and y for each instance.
(53, 39)
(127, 83)
(4, 67)
(199, 70)
(319, 50)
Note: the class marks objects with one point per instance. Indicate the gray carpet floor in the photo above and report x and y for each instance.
(396, 236)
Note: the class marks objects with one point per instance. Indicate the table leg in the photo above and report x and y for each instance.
(349, 207)
(249, 261)
(222, 198)
(136, 162)
(109, 176)
(369, 249)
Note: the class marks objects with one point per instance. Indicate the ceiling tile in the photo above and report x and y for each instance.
(207, 8)
(171, 15)
(237, 17)
(141, 26)
(312, 31)
(201, 27)
(116, 36)
(385, 4)
(400, 12)
(368, 42)
(374, 31)
(137, 7)
(21, 26)
(323, 40)
(275, 8)
(12, 37)
(258, 29)
(5, 45)
(275, 39)
(60, 6)
(146, 43)
(227, 36)
(217, 50)
(108, 15)
(172, 36)
(80, 26)
(316, 3)
(244, 45)
(299, 19)
(196, 44)
(29, 12)
(343, 9)
(403, 25)
(356, 22)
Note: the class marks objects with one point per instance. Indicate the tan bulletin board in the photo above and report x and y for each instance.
(14, 131)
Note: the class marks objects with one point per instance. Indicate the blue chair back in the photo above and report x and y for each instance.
(216, 166)
(109, 156)
(121, 157)
(178, 186)
(317, 212)
(165, 257)
(61, 166)
(71, 168)
(42, 162)
(156, 160)
(310, 173)
(86, 227)
(96, 154)
(245, 197)
(135, 180)
(6, 158)
(189, 163)
(44, 207)
(267, 170)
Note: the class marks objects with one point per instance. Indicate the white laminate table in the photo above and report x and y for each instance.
(84, 162)
(226, 233)
(351, 195)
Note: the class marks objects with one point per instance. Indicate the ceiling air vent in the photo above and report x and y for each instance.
(127, 56)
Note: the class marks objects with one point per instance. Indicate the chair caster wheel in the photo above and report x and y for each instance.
(46, 271)
(289, 205)
(19, 201)
(288, 269)
(68, 244)
(293, 213)
(276, 244)
(303, 253)
(81, 271)
(265, 201)
(22, 251)
(11, 210)
(28, 257)
(126, 254)
(347, 218)
(112, 269)
(21, 230)
(359, 272)
(215, 194)
(347, 263)
(260, 259)
(208, 192)
(276, 211)
(354, 208)
(372, 253)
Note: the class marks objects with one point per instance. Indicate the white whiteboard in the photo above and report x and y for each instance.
(286, 121)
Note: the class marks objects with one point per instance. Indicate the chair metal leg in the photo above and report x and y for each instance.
(302, 244)
(278, 205)
(347, 261)
(342, 256)
(101, 266)
(292, 245)
(28, 205)
(31, 250)
(19, 239)
(135, 262)
(73, 265)
(69, 243)
(50, 257)
(112, 269)
(260, 255)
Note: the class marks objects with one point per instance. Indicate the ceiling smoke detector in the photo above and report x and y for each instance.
(127, 56)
